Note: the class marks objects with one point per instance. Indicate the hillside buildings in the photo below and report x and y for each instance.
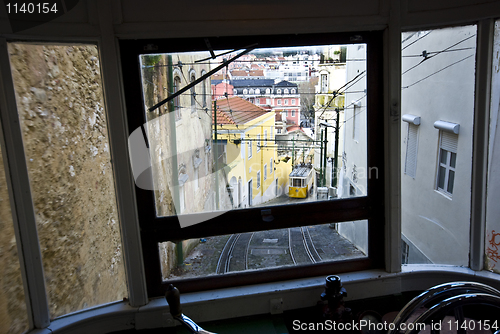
(245, 140)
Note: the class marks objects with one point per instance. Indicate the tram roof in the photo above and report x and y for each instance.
(301, 171)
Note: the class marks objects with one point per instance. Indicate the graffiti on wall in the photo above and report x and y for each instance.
(493, 245)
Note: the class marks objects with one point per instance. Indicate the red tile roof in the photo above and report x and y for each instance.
(294, 128)
(235, 110)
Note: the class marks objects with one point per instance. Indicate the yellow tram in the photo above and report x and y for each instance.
(301, 181)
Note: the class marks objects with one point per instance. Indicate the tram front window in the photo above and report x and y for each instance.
(223, 169)
(217, 150)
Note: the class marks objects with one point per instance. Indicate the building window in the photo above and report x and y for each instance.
(258, 143)
(278, 91)
(286, 102)
(293, 102)
(286, 91)
(271, 166)
(356, 121)
(197, 160)
(245, 91)
(265, 172)
(447, 162)
(293, 91)
(193, 94)
(204, 91)
(222, 155)
(278, 102)
(265, 137)
(324, 83)
(293, 113)
(249, 143)
(257, 91)
(268, 91)
(252, 92)
(177, 99)
(258, 179)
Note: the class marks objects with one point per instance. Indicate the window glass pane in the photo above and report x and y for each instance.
(61, 110)
(327, 158)
(451, 179)
(438, 75)
(444, 157)
(441, 176)
(13, 314)
(492, 242)
(453, 160)
(267, 249)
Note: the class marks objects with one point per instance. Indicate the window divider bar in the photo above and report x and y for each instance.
(392, 130)
(122, 173)
(23, 211)
(484, 54)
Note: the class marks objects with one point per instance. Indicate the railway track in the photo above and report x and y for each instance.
(311, 249)
(234, 256)
(302, 249)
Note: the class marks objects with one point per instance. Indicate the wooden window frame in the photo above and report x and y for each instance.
(155, 230)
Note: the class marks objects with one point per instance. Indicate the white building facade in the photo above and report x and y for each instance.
(438, 69)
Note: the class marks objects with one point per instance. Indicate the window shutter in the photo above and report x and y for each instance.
(411, 150)
(449, 141)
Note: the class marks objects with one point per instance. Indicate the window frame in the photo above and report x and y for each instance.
(192, 78)
(448, 168)
(177, 108)
(370, 207)
(249, 149)
(446, 165)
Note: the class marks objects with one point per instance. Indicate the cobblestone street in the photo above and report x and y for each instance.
(267, 249)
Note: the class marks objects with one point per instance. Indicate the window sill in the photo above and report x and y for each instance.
(444, 194)
(255, 299)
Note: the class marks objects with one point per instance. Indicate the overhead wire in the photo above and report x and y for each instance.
(415, 41)
(437, 53)
(336, 93)
(413, 84)
(432, 52)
